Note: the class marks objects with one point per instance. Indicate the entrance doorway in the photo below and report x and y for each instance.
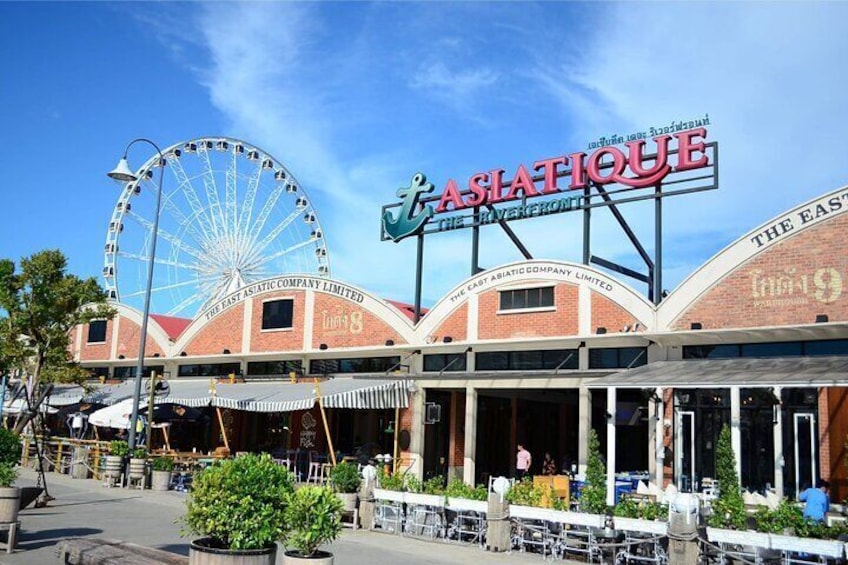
(804, 426)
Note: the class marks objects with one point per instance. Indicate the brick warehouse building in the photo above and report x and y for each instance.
(539, 352)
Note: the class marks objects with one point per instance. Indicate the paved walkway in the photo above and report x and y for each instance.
(85, 508)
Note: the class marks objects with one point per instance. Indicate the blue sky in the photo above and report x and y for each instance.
(356, 97)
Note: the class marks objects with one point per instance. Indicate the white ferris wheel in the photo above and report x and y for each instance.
(231, 214)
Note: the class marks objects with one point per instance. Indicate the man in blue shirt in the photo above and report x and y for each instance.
(817, 501)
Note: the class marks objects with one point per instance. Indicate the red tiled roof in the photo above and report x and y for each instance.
(172, 326)
(408, 309)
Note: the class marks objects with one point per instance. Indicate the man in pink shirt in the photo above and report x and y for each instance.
(522, 463)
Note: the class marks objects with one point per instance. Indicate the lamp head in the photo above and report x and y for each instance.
(122, 172)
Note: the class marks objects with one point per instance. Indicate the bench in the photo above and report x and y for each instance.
(97, 551)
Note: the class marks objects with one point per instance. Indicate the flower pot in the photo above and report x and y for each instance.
(319, 558)
(10, 503)
(203, 552)
(112, 468)
(160, 480)
(137, 468)
(349, 500)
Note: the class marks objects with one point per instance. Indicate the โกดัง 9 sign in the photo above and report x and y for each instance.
(628, 172)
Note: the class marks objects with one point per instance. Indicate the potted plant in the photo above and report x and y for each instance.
(313, 518)
(391, 487)
(118, 450)
(10, 456)
(238, 507)
(138, 466)
(163, 468)
(346, 480)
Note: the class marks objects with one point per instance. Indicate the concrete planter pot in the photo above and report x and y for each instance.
(112, 468)
(10, 504)
(319, 558)
(349, 500)
(203, 552)
(160, 480)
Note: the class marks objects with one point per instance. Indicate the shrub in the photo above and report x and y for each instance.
(240, 503)
(785, 517)
(119, 448)
(8, 474)
(313, 517)
(10, 447)
(163, 464)
(139, 453)
(458, 489)
(434, 485)
(525, 493)
(413, 484)
(345, 478)
(626, 508)
(393, 481)
(729, 508)
(593, 498)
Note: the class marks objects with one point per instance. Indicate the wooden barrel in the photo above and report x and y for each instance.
(112, 467)
(137, 468)
(202, 553)
(10, 503)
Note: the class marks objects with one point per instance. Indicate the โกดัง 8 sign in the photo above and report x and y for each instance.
(486, 196)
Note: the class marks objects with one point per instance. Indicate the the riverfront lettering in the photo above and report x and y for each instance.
(285, 283)
(484, 198)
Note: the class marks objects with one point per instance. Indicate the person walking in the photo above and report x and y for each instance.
(817, 501)
(523, 460)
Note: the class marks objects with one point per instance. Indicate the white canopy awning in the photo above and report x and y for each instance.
(115, 416)
(272, 396)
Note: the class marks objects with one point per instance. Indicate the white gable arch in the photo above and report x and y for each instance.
(528, 271)
(384, 311)
(758, 240)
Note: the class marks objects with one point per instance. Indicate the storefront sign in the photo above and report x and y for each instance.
(490, 196)
(307, 431)
(792, 286)
(341, 323)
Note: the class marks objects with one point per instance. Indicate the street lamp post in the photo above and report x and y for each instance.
(122, 173)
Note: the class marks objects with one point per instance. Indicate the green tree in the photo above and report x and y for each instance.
(593, 498)
(729, 508)
(40, 303)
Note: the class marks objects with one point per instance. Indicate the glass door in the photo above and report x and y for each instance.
(805, 451)
(684, 451)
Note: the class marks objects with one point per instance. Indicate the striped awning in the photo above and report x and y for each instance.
(270, 396)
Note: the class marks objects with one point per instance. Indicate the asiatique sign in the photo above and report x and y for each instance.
(615, 166)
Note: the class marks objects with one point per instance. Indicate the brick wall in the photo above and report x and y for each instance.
(608, 314)
(222, 332)
(277, 340)
(455, 325)
(343, 323)
(457, 456)
(790, 283)
(129, 333)
(561, 322)
(824, 435)
(100, 351)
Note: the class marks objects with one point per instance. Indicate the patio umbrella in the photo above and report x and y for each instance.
(173, 413)
(115, 416)
(79, 408)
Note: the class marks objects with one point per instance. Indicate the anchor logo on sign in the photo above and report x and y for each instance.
(409, 222)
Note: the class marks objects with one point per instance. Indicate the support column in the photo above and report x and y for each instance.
(779, 460)
(659, 433)
(416, 443)
(468, 464)
(735, 431)
(611, 446)
(584, 415)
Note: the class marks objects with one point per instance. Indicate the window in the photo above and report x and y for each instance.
(128, 373)
(277, 314)
(97, 372)
(526, 298)
(444, 362)
(97, 331)
(209, 370)
(543, 360)
(274, 368)
(767, 349)
(358, 365)
(618, 357)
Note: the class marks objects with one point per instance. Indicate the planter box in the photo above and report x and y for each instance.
(424, 499)
(828, 548)
(467, 505)
(390, 495)
(654, 527)
(739, 537)
(557, 516)
(583, 519)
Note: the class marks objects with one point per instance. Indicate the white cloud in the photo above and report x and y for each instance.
(458, 89)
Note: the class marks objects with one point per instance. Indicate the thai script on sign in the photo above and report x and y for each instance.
(795, 287)
(339, 323)
(673, 127)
